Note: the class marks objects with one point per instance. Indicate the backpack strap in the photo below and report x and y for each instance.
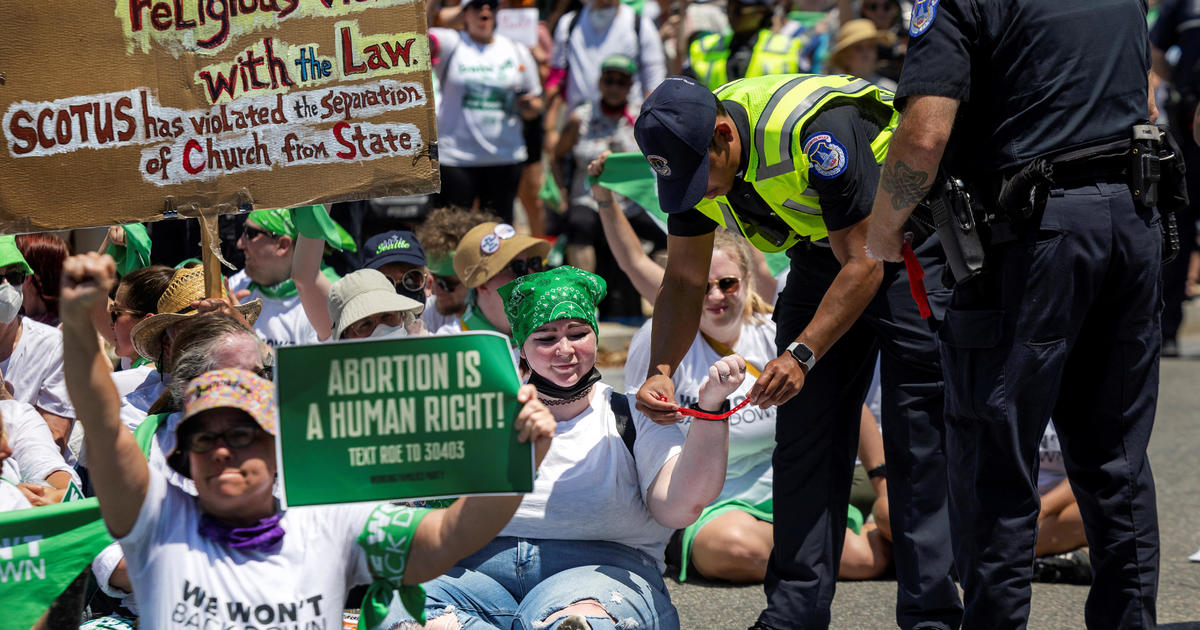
(625, 426)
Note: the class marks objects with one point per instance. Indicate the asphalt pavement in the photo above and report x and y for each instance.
(1175, 457)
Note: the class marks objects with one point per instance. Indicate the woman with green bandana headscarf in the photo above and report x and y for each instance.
(602, 508)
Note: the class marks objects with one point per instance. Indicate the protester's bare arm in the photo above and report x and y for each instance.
(852, 289)
(1058, 499)
(912, 164)
(60, 426)
(312, 285)
(691, 480)
(223, 306)
(764, 281)
(446, 536)
(676, 320)
(626, 247)
(39, 494)
(870, 449)
(118, 468)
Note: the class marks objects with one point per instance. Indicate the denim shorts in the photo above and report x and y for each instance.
(516, 583)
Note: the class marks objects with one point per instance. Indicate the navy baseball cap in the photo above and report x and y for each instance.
(673, 131)
(394, 246)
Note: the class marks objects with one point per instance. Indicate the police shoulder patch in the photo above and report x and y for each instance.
(923, 13)
(826, 156)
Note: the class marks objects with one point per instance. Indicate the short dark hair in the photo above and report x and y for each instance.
(712, 144)
(145, 286)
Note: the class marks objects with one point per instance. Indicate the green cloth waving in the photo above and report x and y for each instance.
(311, 221)
(630, 175)
(387, 538)
(135, 253)
(539, 298)
(42, 550)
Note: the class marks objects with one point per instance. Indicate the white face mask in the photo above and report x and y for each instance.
(602, 18)
(383, 330)
(10, 302)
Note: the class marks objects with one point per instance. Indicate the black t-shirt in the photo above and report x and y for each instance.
(846, 196)
(1178, 24)
(1035, 77)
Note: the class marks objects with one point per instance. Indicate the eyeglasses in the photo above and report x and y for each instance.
(527, 266)
(449, 284)
(267, 372)
(251, 233)
(237, 437)
(726, 285)
(15, 277)
(115, 312)
(413, 280)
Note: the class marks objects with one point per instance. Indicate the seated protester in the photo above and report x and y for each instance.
(11, 498)
(231, 540)
(396, 255)
(1062, 553)
(45, 254)
(269, 242)
(488, 257)
(31, 353)
(733, 537)
(202, 343)
(440, 235)
(136, 299)
(365, 304)
(36, 466)
(603, 504)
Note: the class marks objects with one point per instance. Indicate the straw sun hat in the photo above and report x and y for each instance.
(187, 286)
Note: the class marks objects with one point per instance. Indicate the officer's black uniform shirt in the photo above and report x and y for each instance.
(1034, 77)
(1178, 24)
(846, 198)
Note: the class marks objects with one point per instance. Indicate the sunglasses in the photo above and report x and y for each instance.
(115, 312)
(726, 285)
(251, 233)
(527, 266)
(237, 437)
(413, 280)
(15, 277)
(617, 81)
(449, 284)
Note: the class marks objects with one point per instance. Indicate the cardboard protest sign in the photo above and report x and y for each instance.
(42, 550)
(418, 417)
(118, 111)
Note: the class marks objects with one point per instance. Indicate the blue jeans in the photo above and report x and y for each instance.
(516, 583)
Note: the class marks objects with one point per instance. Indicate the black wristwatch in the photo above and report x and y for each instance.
(878, 472)
(804, 355)
(724, 408)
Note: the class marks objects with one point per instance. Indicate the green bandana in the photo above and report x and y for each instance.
(45, 549)
(287, 288)
(539, 298)
(386, 539)
(10, 255)
(278, 221)
(135, 253)
(315, 222)
(442, 265)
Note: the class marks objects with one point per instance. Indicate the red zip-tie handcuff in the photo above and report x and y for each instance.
(916, 275)
(703, 415)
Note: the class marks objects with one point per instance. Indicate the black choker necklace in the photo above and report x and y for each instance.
(553, 395)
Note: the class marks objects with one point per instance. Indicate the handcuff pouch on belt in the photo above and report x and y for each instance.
(956, 217)
(1158, 178)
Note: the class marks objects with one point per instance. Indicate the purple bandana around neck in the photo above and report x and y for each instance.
(264, 536)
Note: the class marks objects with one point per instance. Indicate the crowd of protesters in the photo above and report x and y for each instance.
(123, 380)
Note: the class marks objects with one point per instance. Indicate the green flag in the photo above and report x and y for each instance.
(42, 550)
(630, 175)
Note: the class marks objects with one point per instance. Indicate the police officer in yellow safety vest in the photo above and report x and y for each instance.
(751, 50)
(791, 162)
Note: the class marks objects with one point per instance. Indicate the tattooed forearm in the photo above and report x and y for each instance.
(905, 185)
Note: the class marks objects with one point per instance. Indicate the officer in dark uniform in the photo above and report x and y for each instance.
(1043, 98)
(750, 50)
(790, 162)
(1178, 24)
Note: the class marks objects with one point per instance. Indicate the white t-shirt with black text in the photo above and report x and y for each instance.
(751, 429)
(590, 488)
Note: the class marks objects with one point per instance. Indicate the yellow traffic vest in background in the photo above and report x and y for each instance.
(779, 109)
(773, 54)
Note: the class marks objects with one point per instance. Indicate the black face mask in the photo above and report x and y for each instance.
(547, 389)
(418, 295)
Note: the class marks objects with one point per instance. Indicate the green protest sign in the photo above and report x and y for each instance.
(41, 551)
(416, 417)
